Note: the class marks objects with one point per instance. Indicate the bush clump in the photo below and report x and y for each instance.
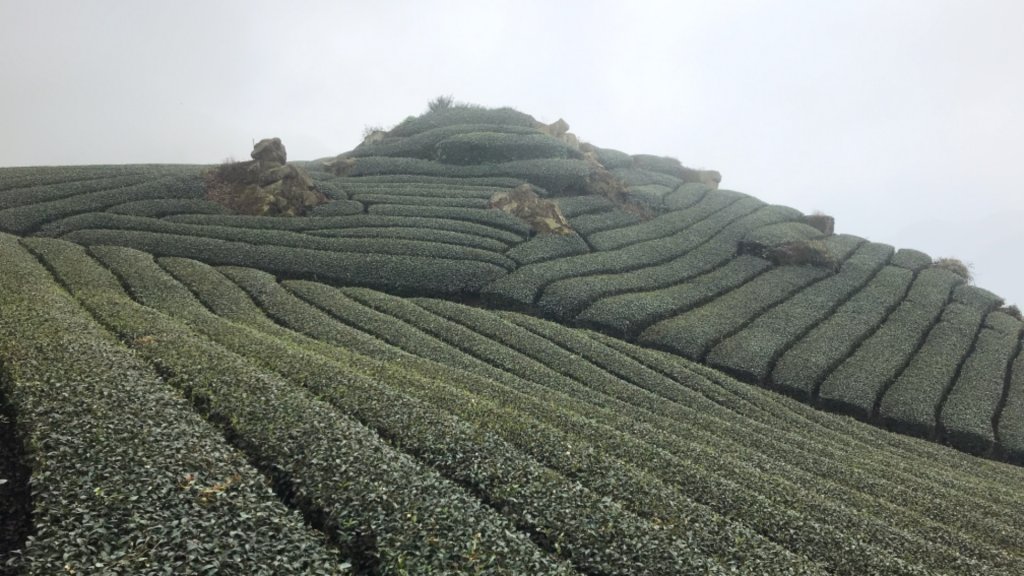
(958, 267)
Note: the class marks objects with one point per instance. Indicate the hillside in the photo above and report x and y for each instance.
(495, 349)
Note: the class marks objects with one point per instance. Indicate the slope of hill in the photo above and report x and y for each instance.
(358, 390)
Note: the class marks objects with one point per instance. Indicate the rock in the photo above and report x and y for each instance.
(269, 151)
(823, 222)
(266, 186)
(544, 216)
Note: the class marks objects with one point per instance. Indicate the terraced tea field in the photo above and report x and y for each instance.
(409, 381)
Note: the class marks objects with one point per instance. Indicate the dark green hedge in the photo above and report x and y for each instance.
(626, 315)
(20, 196)
(913, 260)
(554, 175)
(75, 227)
(161, 207)
(424, 234)
(497, 147)
(526, 284)
(573, 206)
(492, 218)
(125, 474)
(548, 247)
(967, 417)
(421, 180)
(701, 248)
(612, 159)
(393, 514)
(73, 176)
(1010, 420)
(858, 383)
(635, 177)
(687, 195)
(25, 219)
(589, 224)
(424, 144)
(431, 201)
(408, 274)
(912, 403)
(424, 190)
(459, 115)
(663, 225)
(694, 333)
(802, 368)
(337, 208)
(752, 352)
(309, 223)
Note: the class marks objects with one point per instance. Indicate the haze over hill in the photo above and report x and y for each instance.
(903, 120)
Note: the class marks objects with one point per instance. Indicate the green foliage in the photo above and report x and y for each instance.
(912, 403)
(492, 218)
(967, 417)
(955, 266)
(444, 102)
(858, 383)
(126, 475)
(337, 208)
(20, 196)
(25, 219)
(612, 159)
(573, 206)
(801, 368)
(633, 177)
(161, 207)
(496, 147)
(665, 224)
(424, 144)
(548, 247)
(424, 234)
(687, 195)
(695, 332)
(438, 201)
(913, 260)
(694, 251)
(423, 274)
(752, 352)
(456, 115)
(591, 223)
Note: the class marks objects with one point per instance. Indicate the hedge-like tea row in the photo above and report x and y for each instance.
(18, 196)
(912, 403)
(59, 176)
(679, 431)
(337, 208)
(801, 369)
(430, 201)
(423, 234)
(632, 177)
(899, 503)
(424, 144)
(858, 383)
(166, 206)
(409, 274)
(1010, 421)
(573, 206)
(650, 195)
(760, 240)
(484, 147)
(626, 315)
(126, 478)
(664, 225)
(752, 352)
(548, 247)
(394, 515)
(492, 218)
(588, 224)
(524, 286)
(460, 115)
(701, 248)
(551, 174)
(542, 501)
(972, 406)
(612, 159)
(355, 188)
(422, 180)
(73, 228)
(913, 260)
(694, 333)
(25, 219)
(718, 492)
(353, 221)
(519, 402)
(687, 195)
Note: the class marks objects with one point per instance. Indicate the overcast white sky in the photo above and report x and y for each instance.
(903, 119)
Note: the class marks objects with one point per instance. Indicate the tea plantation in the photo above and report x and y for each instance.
(410, 379)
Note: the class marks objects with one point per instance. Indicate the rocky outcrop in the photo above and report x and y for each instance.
(544, 216)
(265, 186)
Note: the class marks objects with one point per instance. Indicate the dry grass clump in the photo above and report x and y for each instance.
(955, 266)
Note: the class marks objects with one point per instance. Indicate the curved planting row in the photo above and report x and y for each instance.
(126, 478)
(479, 345)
